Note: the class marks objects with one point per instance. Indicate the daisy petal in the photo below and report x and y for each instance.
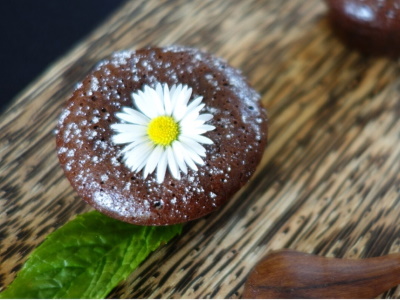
(142, 161)
(159, 90)
(191, 155)
(129, 128)
(129, 161)
(172, 165)
(205, 117)
(152, 161)
(196, 158)
(177, 149)
(193, 114)
(167, 101)
(202, 139)
(206, 127)
(140, 166)
(192, 144)
(128, 148)
(180, 108)
(190, 162)
(124, 138)
(194, 104)
(196, 101)
(174, 93)
(138, 155)
(137, 142)
(190, 125)
(154, 98)
(144, 105)
(197, 130)
(162, 167)
(187, 92)
(133, 116)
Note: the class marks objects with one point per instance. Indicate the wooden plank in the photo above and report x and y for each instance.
(329, 180)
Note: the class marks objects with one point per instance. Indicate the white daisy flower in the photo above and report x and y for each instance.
(164, 131)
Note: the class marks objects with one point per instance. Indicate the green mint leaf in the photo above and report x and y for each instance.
(87, 258)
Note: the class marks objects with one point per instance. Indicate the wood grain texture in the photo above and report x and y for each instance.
(328, 183)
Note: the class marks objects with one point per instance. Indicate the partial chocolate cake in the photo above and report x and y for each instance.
(160, 136)
(371, 26)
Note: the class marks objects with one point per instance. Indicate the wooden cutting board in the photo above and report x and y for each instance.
(329, 180)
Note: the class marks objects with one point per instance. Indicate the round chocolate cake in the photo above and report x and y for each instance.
(371, 26)
(221, 134)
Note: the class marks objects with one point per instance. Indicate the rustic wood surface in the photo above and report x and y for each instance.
(328, 183)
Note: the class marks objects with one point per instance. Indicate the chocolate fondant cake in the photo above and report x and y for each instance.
(123, 183)
(371, 26)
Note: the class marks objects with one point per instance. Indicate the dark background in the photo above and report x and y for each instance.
(35, 33)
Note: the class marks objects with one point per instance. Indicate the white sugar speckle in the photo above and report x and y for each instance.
(115, 162)
(91, 134)
(121, 58)
(64, 114)
(70, 153)
(104, 177)
(62, 150)
(94, 85)
(127, 186)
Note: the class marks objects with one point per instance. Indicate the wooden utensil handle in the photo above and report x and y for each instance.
(292, 274)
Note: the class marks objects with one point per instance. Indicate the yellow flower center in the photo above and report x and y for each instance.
(163, 130)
